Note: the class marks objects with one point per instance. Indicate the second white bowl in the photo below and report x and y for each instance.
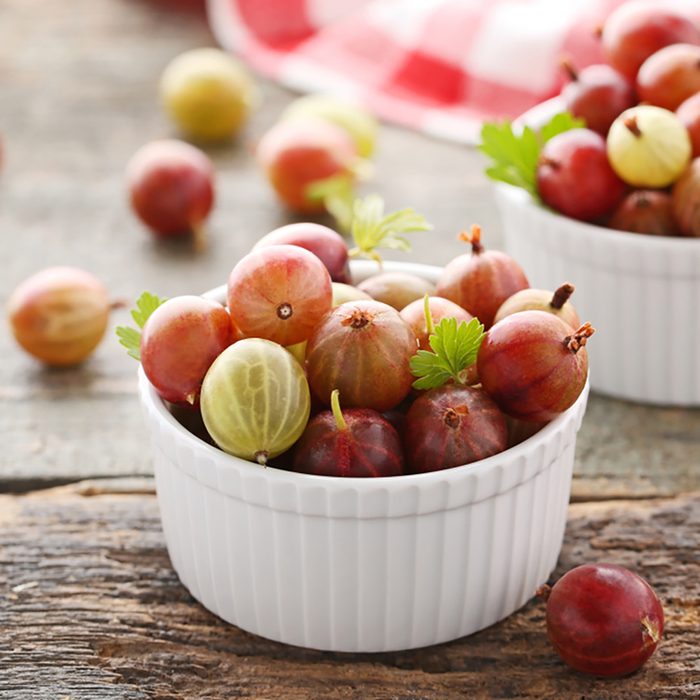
(642, 294)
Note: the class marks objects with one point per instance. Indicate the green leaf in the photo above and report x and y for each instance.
(454, 348)
(558, 124)
(146, 304)
(372, 229)
(514, 155)
(129, 337)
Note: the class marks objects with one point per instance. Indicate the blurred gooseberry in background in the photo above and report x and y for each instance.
(297, 154)
(59, 315)
(171, 186)
(207, 93)
(358, 122)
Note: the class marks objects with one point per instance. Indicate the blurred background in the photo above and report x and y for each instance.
(79, 95)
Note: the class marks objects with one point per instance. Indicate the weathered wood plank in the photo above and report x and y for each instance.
(90, 608)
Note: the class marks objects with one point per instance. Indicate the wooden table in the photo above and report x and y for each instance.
(87, 595)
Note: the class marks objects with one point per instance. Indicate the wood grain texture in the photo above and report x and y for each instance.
(91, 609)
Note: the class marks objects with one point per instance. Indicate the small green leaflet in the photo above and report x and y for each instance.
(455, 347)
(129, 337)
(372, 229)
(514, 156)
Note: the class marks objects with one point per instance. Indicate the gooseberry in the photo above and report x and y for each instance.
(356, 121)
(323, 242)
(636, 30)
(279, 292)
(397, 289)
(645, 211)
(451, 426)
(179, 342)
(598, 94)
(534, 365)
(207, 93)
(556, 302)
(689, 115)
(482, 280)
(346, 292)
(575, 178)
(356, 442)
(255, 400)
(171, 186)
(648, 146)
(59, 315)
(296, 154)
(603, 619)
(362, 348)
(670, 76)
(686, 200)
(415, 315)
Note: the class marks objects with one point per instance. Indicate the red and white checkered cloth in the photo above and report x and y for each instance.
(439, 66)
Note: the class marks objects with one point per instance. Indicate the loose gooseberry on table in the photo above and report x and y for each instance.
(59, 315)
(171, 187)
(280, 293)
(482, 280)
(207, 93)
(351, 117)
(355, 442)
(603, 619)
(297, 154)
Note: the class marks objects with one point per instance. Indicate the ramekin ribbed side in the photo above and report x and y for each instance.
(362, 565)
(642, 294)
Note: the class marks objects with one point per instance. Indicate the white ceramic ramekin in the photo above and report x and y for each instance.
(642, 294)
(362, 564)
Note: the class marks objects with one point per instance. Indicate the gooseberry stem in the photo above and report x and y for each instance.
(633, 126)
(337, 413)
(576, 341)
(429, 325)
(561, 295)
(543, 592)
(199, 237)
(569, 69)
(261, 458)
(473, 237)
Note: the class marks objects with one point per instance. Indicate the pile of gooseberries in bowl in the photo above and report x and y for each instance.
(602, 183)
(359, 456)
